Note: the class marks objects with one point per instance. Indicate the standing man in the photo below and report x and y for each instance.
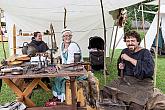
(135, 69)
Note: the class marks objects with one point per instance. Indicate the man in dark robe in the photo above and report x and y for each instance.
(37, 43)
(40, 46)
(135, 70)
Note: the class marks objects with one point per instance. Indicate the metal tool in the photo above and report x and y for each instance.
(122, 75)
(40, 62)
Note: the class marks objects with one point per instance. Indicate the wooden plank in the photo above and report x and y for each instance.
(73, 91)
(29, 102)
(68, 93)
(42, 75)
(31, 86)
(44, 86)
(14, 39)
(13, 87)
(80, 97)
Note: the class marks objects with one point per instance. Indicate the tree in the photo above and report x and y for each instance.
(131, 15)
(147, 16)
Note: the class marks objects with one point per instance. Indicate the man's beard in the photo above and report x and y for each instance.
(131, 47)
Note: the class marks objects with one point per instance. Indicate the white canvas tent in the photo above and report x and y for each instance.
(151, 33)
(120, 44)
(83, 18)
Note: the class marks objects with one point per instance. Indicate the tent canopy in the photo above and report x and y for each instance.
(83, 18)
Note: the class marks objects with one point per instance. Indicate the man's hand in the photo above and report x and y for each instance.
(125, 57)
(121, 66)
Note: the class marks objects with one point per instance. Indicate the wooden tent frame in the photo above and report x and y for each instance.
(156, 50)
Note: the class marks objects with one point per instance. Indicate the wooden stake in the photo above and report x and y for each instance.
(113, 50)
(143, 25)
(156, 51)
(65, 18)
(136, 19)
(110, 44)
(14, 39)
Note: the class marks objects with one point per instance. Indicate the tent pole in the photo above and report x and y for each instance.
(105, 69)
(2, 36)
(143, 25)
(136, 19)
(110, 44)
(113, 49)
(156, 51)
(119, 41)
(65, 18)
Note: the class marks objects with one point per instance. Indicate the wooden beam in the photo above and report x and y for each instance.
(14, 39)
(156, 51)
(143, 25)
(103, 18)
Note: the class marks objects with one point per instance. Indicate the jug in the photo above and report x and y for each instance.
(77, 57)
(25, 48)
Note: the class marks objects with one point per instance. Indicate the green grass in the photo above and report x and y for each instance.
(160, 79)
(40, 96)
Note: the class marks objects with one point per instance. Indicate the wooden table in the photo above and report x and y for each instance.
(37, 81)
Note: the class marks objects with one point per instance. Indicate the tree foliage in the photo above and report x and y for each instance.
(128, 25)
(138, 7)
(147, 16)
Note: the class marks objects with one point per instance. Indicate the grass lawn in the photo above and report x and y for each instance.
(39, 96)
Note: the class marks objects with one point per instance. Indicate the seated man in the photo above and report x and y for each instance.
(39, 46)
(135, 68)
(68, 48)
(37, 43)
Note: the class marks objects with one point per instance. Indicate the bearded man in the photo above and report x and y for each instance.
(135, 69)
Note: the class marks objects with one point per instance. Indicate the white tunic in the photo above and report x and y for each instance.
(69, 58)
